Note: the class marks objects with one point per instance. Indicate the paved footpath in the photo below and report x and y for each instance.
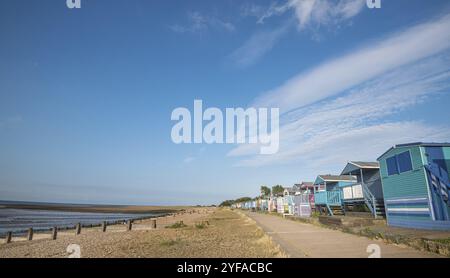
(302, 240)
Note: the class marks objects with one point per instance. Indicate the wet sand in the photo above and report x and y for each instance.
(97, 208)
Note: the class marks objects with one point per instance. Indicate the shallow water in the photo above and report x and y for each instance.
(19, 220)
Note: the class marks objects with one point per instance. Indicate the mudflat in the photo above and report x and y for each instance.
(96, 208)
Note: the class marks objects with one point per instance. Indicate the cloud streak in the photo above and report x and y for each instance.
(344, 109)
(257, 46)
(312, 13)
(198, 23)
(362, 65)
(307, 13)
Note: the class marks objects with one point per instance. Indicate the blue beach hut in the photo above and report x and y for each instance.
(328, 195)
(367, 193)
(415, 180)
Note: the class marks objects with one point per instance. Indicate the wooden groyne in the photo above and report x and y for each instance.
(80, 228)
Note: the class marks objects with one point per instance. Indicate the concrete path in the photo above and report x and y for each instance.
(302, 240)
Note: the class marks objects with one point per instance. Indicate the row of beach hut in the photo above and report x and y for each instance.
(408, 185)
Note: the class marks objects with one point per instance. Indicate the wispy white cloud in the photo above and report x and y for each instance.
(327, 153)
(320, 131)
(257, 46)
(361, 65)
(198, 23)
(192, 158)
(340, 124)
(313, 13)
(308, 13)
(189, 159)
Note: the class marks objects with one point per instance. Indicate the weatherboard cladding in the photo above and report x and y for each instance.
(446, 151)
(414, 208)
(372, 180)
(417, 144)
(419, 224)
(412, 183)
(405, 194)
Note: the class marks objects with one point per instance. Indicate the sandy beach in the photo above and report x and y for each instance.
(207, 232)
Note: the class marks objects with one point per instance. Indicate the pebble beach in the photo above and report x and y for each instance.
(194, 233)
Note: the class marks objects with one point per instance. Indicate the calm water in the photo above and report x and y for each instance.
(19, 220)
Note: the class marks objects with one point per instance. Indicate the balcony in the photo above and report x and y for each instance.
(330, 198)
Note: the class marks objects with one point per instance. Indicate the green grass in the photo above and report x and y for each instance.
(200, 225)
(443, 240)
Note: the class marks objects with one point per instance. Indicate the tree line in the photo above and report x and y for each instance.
(266, 191)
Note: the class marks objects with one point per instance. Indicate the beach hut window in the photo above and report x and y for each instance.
(399, 163)
(404, 162)
(392, 166)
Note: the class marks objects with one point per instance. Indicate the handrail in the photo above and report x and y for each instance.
(369, 199)
(372, 180)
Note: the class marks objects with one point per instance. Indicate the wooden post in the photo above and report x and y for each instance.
(129, 225)
(104, 226)
(30, 234)
(8, 237)
(78, 229)
(54, 233)
(153, 223)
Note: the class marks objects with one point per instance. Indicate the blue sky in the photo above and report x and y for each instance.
(86, 95)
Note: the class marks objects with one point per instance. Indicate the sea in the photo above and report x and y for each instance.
(19, 221)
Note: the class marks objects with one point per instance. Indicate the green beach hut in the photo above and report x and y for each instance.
(415, 181)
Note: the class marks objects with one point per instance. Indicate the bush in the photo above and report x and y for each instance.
(200, 225)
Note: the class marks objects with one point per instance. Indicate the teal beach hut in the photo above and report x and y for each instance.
(415, 181)
(328, 192)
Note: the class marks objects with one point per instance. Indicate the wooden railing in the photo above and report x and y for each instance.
(370, 200)
(320, 198)
(334, 197)
(328, 198)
